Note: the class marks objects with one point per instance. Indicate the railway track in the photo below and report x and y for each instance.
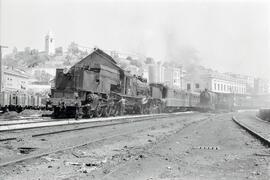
(52, 123)
(257, 128)
(22, 121)
(44, 153)
(83, 125)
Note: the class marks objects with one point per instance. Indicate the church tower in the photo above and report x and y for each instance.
(49, 43)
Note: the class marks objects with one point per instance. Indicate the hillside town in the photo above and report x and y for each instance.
(33, 71)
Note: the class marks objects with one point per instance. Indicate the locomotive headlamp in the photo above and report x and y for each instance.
(65, 70)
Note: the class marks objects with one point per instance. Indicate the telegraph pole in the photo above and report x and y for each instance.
(1, 68)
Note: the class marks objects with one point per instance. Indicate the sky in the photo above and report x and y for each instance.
(228, 36)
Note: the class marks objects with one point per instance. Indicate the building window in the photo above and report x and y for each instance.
(215, 86)
(218, 87)
(197, 86)
(188, 86)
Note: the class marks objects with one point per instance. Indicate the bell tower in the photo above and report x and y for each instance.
(50, 43)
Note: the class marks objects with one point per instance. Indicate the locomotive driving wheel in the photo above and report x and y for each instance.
(91, 115)
(88, 112)
(106, 111)
(114, 110)
(159, 110)
(98, 111)
(145, 109)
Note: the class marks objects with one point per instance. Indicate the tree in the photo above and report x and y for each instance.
(73, 49)
(74, 53)
(135, 63)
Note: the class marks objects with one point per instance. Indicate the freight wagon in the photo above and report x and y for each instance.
(16, 101)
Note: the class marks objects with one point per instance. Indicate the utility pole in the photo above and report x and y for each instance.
(1, 68)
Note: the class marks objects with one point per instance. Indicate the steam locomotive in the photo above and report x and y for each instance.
(97, 86)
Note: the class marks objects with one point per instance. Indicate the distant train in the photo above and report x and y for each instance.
(17, 101)
(97, 86)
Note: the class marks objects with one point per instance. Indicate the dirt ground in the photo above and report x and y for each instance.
(215, 148)
(26, 113)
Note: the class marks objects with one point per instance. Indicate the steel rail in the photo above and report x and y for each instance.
(82, 144)
(58, 150)
(105, 123)
(84, 121)
(69, 123)
(52, 120)
(18, 119)
(265, 141)
(32, 122)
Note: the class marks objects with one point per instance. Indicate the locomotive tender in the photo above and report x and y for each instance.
(97, 86)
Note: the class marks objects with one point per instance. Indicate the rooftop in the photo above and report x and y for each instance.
(15, 71)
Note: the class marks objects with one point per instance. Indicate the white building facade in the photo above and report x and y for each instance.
(166, 74)
(223, 83)
(15, 80)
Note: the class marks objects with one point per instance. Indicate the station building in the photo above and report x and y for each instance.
(170, 75)
(173, 76)
(201, 78)
(15, 80)
(195, 79)
(248, 80)
(226, 84)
